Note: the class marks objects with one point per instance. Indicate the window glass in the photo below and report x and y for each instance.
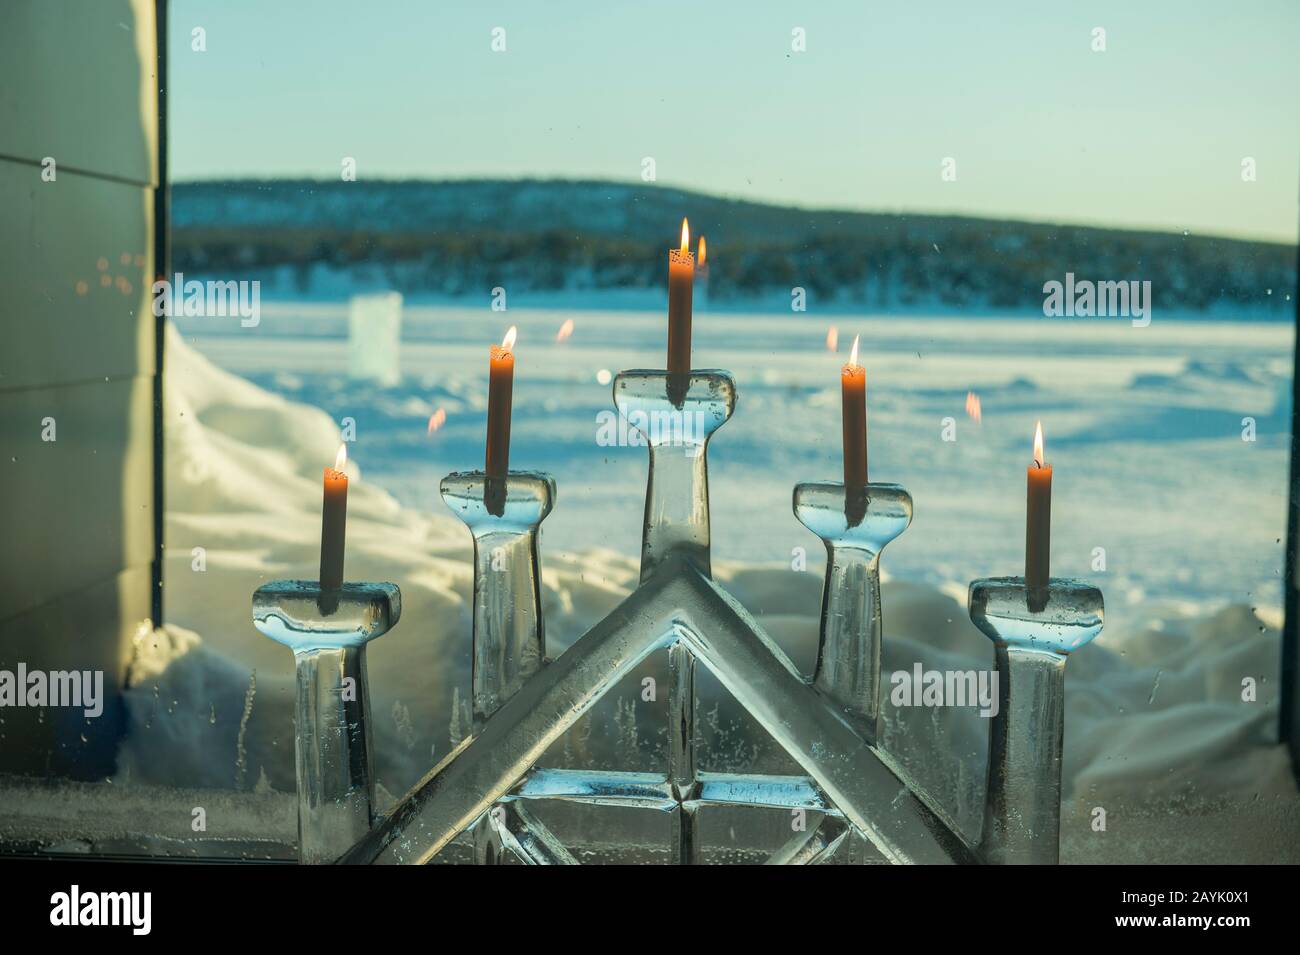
(1084, 220)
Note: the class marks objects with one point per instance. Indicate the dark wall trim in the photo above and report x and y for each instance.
(1289, 720)
(162, 267)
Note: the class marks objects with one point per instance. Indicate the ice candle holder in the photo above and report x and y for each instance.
(676, 414)
(509, 640)
(848, 651)
(1033, 633)
(328, 630)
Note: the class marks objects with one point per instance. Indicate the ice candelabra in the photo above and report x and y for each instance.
(854, 792)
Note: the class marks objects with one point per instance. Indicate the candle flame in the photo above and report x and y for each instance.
(703, 251)
(565, 330)
(1039, 460)
(508, 342)
(341, 459)
(437, 420)
(686, 237)
(973, 407)
(833, 339)
(853, 355)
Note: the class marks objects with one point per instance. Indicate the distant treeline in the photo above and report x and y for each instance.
(459, 238)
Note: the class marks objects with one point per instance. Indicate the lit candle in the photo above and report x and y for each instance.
(1038, 524)
(333, 522)
(681, 280)
(853, 391)
(501, 386)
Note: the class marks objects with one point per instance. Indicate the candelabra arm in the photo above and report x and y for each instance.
(1022, 804)
(848, 654)
(509, 636)
(675, 417)
(332, 743)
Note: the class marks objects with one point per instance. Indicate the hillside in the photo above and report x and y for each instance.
(458, 238)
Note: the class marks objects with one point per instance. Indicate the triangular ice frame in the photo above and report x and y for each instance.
(675, 602)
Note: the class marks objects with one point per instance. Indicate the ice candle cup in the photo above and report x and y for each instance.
(676, 415)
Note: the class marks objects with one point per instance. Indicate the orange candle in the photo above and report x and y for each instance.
(501, 386)
(1038, 524)
(681, 282)
(853, 392)
(333, 522)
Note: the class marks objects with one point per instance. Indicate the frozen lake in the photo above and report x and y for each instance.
(1144, 427)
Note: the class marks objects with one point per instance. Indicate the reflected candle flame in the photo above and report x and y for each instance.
(565, 330)
(973, 409)
(833, 339)
(437, 420)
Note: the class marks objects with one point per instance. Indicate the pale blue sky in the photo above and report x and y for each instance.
(1150, 133)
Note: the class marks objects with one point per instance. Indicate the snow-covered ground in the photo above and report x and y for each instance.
(1144, 429)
